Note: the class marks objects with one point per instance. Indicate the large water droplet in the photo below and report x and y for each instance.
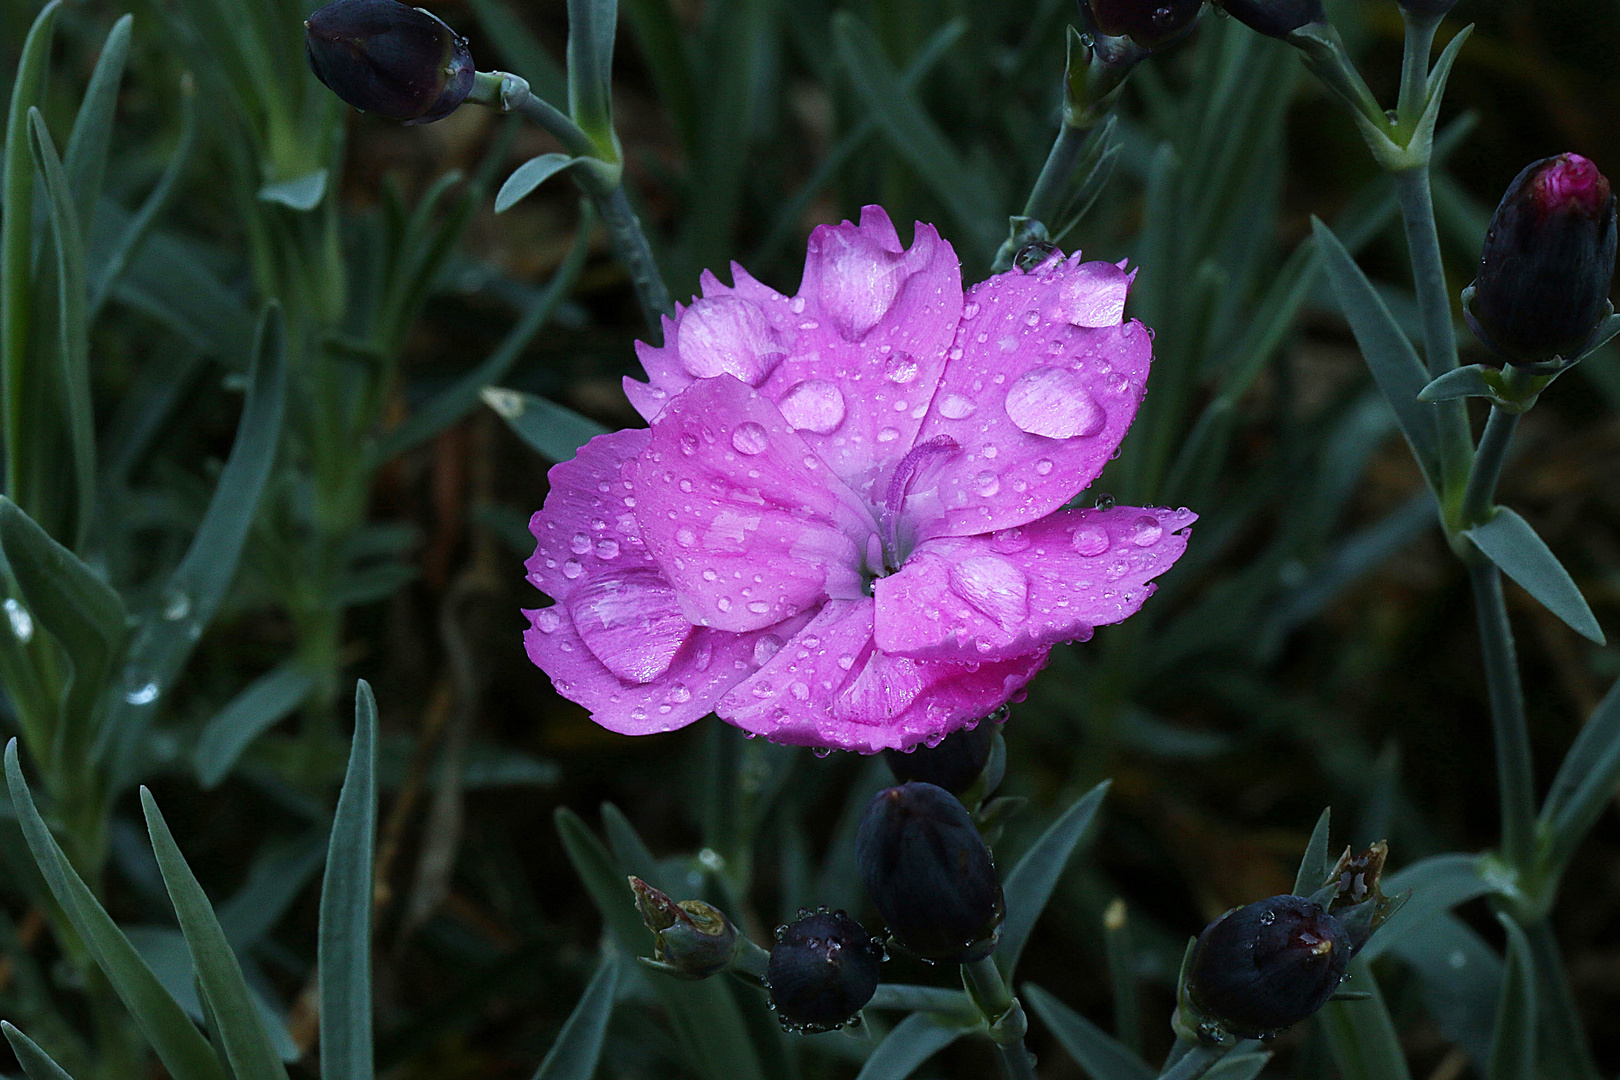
(956, 407)
(749, 438)
(1053, 402)
(994, 586)
(813, 405)
(176, 604)
(572, 569)
(766, 647)
(1146, 531)
(685, 536)
(680, 694)
(727, 335)
(547, 620)
(888, 434)
(901, 368)
(22, 623)
(607, 549)
(580, 544)
(1090, 540)
(987, 484)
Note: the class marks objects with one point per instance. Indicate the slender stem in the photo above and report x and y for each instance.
(1513, 778)
(1563, 1044)
(631, 244)
(1480, 497)
(1439, 332)
(1415, 68)
(1003, 1014)
(1046, 197)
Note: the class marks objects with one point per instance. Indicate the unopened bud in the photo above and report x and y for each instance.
(954, 764)
(823, 970)
(1275, 18)
(690, 937)
(1264, 967)
(389, 58)
(1152, 24)
(1548, 261)
(930, 874)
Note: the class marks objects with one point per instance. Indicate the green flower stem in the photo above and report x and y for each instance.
(1513, 778)
(1189, 1060)
(1562, 1043)
(1439, 331)
(750, 959)
(1415, 68)
(1045, 200)
(509, 93)
(1003, 1014)
(1479, 498)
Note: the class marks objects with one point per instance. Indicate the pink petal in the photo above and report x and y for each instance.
(1036, 393)
(588, 526)
(851, 361)
(708, 664)
(830, 686)
(1000, 596)
(746, 522)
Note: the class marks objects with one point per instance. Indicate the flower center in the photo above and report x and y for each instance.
(886, 551)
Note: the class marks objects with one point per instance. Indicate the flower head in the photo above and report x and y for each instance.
(389, 58)
(845, 526)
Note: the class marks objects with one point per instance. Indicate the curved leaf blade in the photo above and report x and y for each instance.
(343, 949)
(1509, 542)
(35, 1062)
(1031, 882)
(578, 1048)
(913, 1041)
(530, 175)
(1099, 1054)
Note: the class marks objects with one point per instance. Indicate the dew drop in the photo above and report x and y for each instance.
(766, 647)
(1054, 403)
(987, 484)
(969, 310)
(1105, 501)
(749, 438)
(956, 407)
(689, 444)
(547, 620)
(758, 607)
(1090, 541)
(22, 623)
(176, 605)
(685, 536)
(710, 574)
(724, 603)
(888, 434)
(1147, 531)
(813, 405)
(680, 694)
(901, 368)
(686, 486)
(572, 569)
(143, 694)
(1044, 466)
(607, 549)
(580, 544)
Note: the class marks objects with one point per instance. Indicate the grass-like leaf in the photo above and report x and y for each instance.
(1099, 1055)
(530, 175)
(912, 1042)
(556, 431)
(344, 945)
(35, 1062)
(1313, 867)
(592, 27)
(579, 1044)
(1585, 782)
(1509, 542)
(1513, 1046)
(265, 702)
(241, 1029)
(1031, 882)
(86, 157)
(1361, 1034)
(179, 1045)
(1438, 884)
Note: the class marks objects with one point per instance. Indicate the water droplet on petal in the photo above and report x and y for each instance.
(766, 647)
(987, 484)
(813, 405)
(956, 407)
(607, 549)
(888, 434)
(685, 536)
(724, 603)
(749, 438)
(1053, 402)
(994, 586)
(1146, 531)
(547, 620)
(1008, 541)
(727, 335)
(901, 368)
(1090, 540)
(680, 694)
(969, 310)
(572, 569)
(580, 544)
(758, 607)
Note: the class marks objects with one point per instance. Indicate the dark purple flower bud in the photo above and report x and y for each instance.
(1267, 966)
(691, 938)
(389, 58)
(930, 874)
(823, 970)
(954, 764)
(1149, 23)
(1547, 264)
(1275, 18)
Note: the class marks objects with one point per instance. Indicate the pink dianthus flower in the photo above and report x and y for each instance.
(845, 525)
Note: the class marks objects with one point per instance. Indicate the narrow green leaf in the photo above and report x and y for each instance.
(300, 193)
(17, 239)
(556, 431)
(86, 156)
(265, 702)
(592, 26)
(658, 33)
(73, 330)
(1361, 1034)
(463, 395)
(1239, 1066)
(579, 1044)
(169, 280)
(1389, 354)
(1438, 884)
(247, 1042)
(530, 175)
(1513, 1047)
(1099, 1055)
(35, 1062)
(1509, 542)
(1586, 781)
(198, 584)
(1606, 331)
(179, 1045)
(1460, 979)
(344, 946)
(1313, 867)
(915, 136)
(81, 611)
(113, 257)
(912, 1042)
(1423, 135)
(1463, 382)
(1031, 882)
